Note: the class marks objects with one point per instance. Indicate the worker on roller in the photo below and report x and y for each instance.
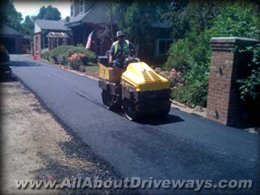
(120, 50)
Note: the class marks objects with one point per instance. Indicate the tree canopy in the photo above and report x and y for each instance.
(14, 19)
(28, 25)
(10, 16)
(49, 13)
(138, 17)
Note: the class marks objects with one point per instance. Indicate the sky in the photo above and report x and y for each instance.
(32, 7)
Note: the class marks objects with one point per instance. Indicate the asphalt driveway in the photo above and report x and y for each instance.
(182, 146)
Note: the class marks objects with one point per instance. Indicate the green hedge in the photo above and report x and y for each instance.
(61, 54)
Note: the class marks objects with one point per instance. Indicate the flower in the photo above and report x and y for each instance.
(77, 56)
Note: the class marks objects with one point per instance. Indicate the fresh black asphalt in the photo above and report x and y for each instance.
(182, 146)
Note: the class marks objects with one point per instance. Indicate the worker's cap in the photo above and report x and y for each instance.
(120, 34)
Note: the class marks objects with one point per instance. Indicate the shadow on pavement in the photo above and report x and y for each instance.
(24, 63)
(161, 121)
(7, 78)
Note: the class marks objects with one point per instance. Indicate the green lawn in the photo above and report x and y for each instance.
(92, 68)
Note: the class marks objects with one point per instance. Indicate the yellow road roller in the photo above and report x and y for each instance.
(136, 89)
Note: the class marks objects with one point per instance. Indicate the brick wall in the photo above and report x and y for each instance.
(224, 104)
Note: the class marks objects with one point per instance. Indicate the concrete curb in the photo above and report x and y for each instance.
(82, 74)
(198, 110)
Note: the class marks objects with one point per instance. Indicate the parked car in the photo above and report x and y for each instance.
(5, 70)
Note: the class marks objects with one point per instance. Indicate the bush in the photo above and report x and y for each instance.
(192, 54)
(77, 61)
(249, 87)
(46, 54)
(91, 57)
(194, 90)
(61, 54)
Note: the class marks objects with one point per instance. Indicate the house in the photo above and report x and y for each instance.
(27, 44)
(87, 16)
(155, 50)
(91, 16)
(11, 39)
(49, 34)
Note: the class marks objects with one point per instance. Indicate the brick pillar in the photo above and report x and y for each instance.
(227, 66)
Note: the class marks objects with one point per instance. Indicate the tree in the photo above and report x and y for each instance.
(187, 15)
(175, 16)
(191, 54)
(49, 13)
(28, 25)
(111, 10)
(67, 19)
(238, 19)
(11, 17)
(137, 19)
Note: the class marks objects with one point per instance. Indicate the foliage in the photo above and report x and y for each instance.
(82, 50)
(175, 77)
(10, 16)
(60, 52)
(49, 13)
(194, 91)
(46, 54)
(250, 87)
(13, 18)
(238, 19)
(187, 15)
(137, 18)
(194, 49)
(28, 26)
(77, 60)
(191, 55)
(109, 27)
(66, 54)
(67, 19)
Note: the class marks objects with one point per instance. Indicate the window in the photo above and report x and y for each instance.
(71, 10)
(162, 46)
(45, 42)
(81, 6)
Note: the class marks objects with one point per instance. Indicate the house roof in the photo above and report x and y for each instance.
(6, 30)
(95, 14)
(51, 25)
(77, 19)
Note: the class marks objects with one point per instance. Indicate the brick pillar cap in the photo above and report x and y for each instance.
(234, 40)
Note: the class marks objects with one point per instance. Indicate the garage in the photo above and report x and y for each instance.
(11, 39)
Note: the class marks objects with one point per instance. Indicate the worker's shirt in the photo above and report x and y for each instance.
(120, 50)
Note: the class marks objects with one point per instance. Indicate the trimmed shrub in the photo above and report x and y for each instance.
(46, 54)
(77, 61)
(58, 54)
(91, 57)
(61, 54)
